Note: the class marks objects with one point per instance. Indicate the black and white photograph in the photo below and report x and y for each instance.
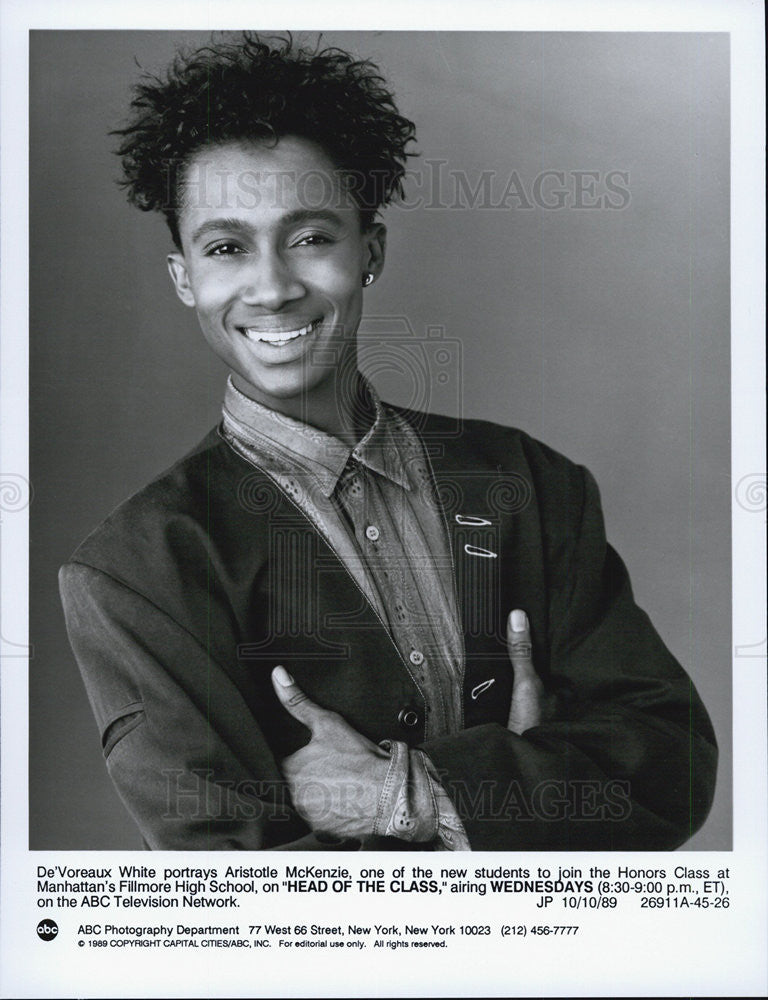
(397, 516)
(385, 487)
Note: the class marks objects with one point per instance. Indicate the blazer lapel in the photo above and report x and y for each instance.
(478, 500)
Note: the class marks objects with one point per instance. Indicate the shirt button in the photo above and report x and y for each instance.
(416, 658)
(408, 717)
(372, 533)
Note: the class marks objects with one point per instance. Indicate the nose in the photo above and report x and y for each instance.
(268, 282)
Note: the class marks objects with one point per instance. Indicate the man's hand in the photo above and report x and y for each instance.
(335, 780)
(528, 691)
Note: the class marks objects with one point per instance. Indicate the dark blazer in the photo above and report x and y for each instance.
(180, 604)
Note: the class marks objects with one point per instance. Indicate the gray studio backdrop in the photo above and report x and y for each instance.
(589, 306)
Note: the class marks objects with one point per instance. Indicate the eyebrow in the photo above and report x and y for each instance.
(295, 217)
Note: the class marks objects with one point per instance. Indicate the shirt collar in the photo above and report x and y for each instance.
(274, 439)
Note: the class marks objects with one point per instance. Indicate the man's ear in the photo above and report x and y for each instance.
(375, 248)
(177, 268)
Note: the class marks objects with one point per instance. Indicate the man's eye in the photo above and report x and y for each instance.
(224, 250)
(312, 240)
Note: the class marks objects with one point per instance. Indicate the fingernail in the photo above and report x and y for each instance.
(519, 620)
(282, 676)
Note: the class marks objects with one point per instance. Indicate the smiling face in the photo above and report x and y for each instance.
(273, 258)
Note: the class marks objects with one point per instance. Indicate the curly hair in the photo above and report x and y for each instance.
(254, 90)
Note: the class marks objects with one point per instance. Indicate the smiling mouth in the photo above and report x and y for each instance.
(277, 338)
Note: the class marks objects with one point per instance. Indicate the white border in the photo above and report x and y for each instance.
(741, 951)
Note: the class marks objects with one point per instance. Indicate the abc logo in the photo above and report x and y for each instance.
(47, 930)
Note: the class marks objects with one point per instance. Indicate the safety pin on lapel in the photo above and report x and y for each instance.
(472, 522)
(477, 691)
(475, 550)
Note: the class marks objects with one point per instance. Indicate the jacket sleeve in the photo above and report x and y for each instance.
(627, 760)
(181, 745)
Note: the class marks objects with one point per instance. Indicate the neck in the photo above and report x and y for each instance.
(345, 411)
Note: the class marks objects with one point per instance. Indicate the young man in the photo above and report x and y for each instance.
(328, 626)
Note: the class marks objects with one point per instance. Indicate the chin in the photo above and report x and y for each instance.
(277, 388)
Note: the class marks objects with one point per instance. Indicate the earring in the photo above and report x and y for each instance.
(367, 279)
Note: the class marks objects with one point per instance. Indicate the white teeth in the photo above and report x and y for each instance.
(280, 337)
